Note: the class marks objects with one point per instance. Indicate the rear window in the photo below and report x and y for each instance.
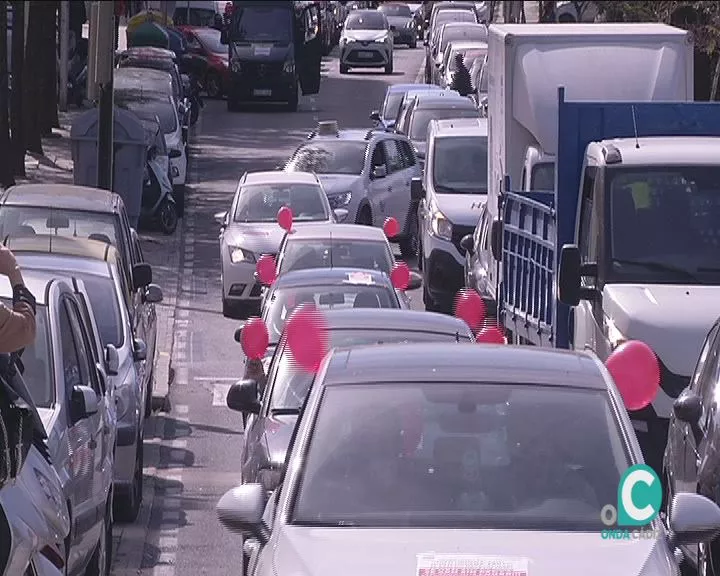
(395, 10)
(261, 202)
(421, 118)
(363, 254)
(329, 157)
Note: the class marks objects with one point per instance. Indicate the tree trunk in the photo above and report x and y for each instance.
(16, 96)
(6, 167)
(31, 86)
(49, 68)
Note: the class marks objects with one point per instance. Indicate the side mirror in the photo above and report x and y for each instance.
(221, 218)
(112, 360)
(379, 172)
(415, 281)
(467, 243)
(141, 275)
(84, 402)
(175, 153)
(417, 192)
(375, 116)
(153, 294)
(688, 407)
(340, 214)
(241, 510)
(243, 397)
(496, 239)
(570, 290)
(139, 350)
(693, 519)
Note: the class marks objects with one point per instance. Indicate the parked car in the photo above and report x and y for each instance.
(205, 42)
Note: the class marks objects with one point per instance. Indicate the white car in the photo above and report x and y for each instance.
(250, 229)
(366, 42)
(156, 105)
(367, 172)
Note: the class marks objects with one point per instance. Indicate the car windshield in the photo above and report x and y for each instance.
(16, 221)
(105, 307)
(292, 384)
(449, 16)
(333, 297)
(469, 56)
(210, 39)
(366, 21)
(461, 455)
(392, 105)
(460, 165)
(642, 201)
(471, 32)
(261, 202)
(421, 118)
(542, 178)
(395, 10)
(271, 24)
(330, 157)
(193, 16)
(149, 108)
(37, 360)
(363, 254)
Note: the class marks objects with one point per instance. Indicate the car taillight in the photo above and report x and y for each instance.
(53, 556)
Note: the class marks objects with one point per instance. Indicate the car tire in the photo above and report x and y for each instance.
(179, 195)
(292, 104)
(127, 505)
(236, 310)
(413, 44)
(409, 242)
(344, 69)
(364, 217)
(430, 304)
(101, 560)
(213, 85)
(389, 66)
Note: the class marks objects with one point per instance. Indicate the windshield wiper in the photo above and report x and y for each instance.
(660, 267)
(284, 411)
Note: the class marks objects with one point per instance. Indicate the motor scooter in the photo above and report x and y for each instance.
(157, 198)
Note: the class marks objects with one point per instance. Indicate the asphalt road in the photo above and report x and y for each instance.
(194, 458)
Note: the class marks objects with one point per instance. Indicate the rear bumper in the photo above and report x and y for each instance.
(270, 88)
(365, 56)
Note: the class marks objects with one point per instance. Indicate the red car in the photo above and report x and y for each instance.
(205, 42)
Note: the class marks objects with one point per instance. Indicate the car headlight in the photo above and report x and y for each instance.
(614, 336)
(289, 67)
(382, 40)
(440, 226)
(124, 395)
(339, 200)
(238, 255)
(235, 66)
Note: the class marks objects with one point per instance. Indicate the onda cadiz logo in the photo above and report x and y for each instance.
(638, 504)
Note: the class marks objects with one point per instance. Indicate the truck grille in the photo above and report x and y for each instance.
(253, 71)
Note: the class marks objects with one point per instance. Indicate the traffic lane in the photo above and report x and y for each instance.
(203, 437)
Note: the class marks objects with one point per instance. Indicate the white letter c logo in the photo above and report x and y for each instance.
(636, 477)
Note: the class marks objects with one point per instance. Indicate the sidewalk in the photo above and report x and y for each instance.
(161, 252)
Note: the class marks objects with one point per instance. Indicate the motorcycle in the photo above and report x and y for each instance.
(157, 199)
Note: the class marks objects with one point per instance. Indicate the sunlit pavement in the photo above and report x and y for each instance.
(192, 451)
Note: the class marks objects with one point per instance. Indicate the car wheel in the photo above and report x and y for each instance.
(409, 242)
(236, 310)
(389, 66)
(179, 196)
(127, 505)
(413, 44)
(102, 557)
(213, 85)
(364, 218)
(344, 69)
(292, 104)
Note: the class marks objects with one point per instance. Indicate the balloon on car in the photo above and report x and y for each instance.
(265, 269)
(285, 218)
(400, 276)
(470, 307)
(307, 337)
(490, 335)
(636, 371)
(254, 338)
(391, 227)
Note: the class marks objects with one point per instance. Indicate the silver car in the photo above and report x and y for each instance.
(250, 229)
(69, 385)
(96, 265)
(447, 458)
(366, 42)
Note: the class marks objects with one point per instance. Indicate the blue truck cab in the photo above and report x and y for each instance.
(626, 247)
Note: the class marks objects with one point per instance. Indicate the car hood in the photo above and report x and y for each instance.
(462, 209)
(337, 183)
(261, 52)
(306, 551)
(257, 238)
(672, 319)
(278, 431)
(365, 35)
(399, 21)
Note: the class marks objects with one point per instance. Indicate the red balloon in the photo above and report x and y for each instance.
(307, 337)
(491, 335)
(636, 371)
(470, 307)
(400, 276)
(265, 269)
(254, 338)
(285, 218)
(391, 227)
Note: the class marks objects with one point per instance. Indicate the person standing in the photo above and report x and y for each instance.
(461, 81)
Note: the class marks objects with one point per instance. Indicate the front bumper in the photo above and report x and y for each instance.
(366, 54)
(238, 280)
(444, 268)
(255, 83)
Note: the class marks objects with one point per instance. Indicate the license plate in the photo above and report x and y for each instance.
(365, 54)
(262, 92)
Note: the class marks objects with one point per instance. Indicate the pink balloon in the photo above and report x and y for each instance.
(400, 276)
(307, 337)
(254, 338)
(391, 227)
(265, 269)
(636, 371)
(285, 218)
(490, 335)
(470, 307)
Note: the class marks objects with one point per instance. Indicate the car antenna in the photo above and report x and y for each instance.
(637, 141)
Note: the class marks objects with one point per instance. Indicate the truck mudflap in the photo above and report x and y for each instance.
(527, 300)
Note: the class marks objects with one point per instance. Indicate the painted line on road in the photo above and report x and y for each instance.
(421, 73)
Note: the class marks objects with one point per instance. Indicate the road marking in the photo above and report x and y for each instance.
(220, 392)
(421, 73)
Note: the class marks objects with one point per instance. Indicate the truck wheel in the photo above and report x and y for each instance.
(364, 218)
(409, 242)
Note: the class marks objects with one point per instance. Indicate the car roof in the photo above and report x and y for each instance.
(60, 265)
(460, 127)
(337, 232)
(280, 177)
(61, 197)
(36, 281)
(395, 319)
(412, 87)
(443, 103)
(467, 45)
(451, 362)
(145, 73)
(331, 276)
(63, 245)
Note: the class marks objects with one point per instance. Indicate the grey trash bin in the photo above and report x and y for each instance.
(130, 155)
